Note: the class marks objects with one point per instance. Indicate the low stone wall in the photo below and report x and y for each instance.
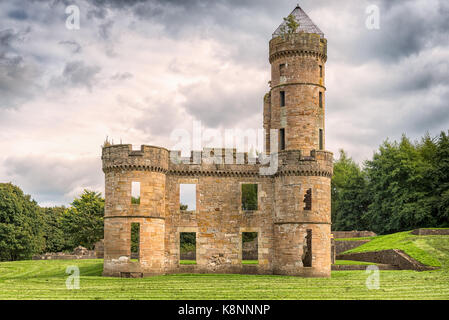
(62, 256)
(363, 267)
(431, 232)
(190, 255)
(342, 246)
(392, 257)
(352, 234)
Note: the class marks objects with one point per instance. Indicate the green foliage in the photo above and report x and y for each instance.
(55, 238)
(291, 25)
(84, 220)
(249, 197)
(135, 200)
(248, 236)
(405, 186)
(20, 224)
(349, 195)
(187, 241)
(183, 207)
(135, 237)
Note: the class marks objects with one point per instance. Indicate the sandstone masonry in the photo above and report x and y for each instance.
(292, 218)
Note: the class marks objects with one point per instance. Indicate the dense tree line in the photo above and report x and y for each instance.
(404, 186)
(27, 229)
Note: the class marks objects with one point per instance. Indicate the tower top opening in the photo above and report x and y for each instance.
(305, 23)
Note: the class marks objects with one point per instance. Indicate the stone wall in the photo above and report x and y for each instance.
(392, 257)
(431, 232)
(352, 234)
(342, 246)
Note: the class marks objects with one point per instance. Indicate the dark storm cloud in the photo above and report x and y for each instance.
(17, 77)
(18, 14)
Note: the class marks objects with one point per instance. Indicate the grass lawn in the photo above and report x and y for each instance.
(187, 261)
(250, 261)
(45, 279)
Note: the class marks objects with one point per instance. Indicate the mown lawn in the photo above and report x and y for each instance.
(46, 280)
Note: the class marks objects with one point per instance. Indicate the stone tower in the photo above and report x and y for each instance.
(295, 107)
(295, 104)
(291, 216)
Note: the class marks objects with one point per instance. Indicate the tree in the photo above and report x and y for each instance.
(56, 239)
(349, 197)
(20, 224)
(290, 26)
(84, 220)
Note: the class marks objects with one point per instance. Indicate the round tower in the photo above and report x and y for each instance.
(295, 107)
(297, 96)
(137, 214)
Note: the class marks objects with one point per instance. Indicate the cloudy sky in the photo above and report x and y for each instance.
(135, 70)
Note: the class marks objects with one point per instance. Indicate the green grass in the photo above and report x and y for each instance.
(45, 279)
(351, 263)
(250, 261)
(405, 241)
(187, 261)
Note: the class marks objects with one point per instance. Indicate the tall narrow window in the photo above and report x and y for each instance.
(135, 241)
(250, 248)
(249, 197)
(321, 99)
(187, 197)
(282, 93)
(282, 139)
(135, 192)
(308, 200)
(321, 71)
(321, 139)
(187, 248)
(307, 249)
(282, 69)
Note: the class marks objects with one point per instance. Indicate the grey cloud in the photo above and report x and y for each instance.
(77, 74)
(18, 79)
(122, 76)
(73, 45)
(18, 14)
(51, 178)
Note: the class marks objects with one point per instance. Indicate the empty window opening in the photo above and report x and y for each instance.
(321, 71)
(135, 192)
(187, 197)
(187, 248)
(321, 139)
(282, 93)
(308, 200)
(282, 70)
(250, 248)
(307, 250)
(249, 197)
(282, 139)
(321, 99)
(135, 241)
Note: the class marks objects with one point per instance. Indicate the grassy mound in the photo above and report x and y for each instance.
(422, 248)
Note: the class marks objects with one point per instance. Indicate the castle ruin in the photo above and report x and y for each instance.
(292, 216)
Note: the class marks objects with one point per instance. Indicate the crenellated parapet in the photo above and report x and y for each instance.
(215, 162)
(298, 44)
(123, 157)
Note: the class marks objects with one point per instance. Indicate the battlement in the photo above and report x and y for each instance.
(213, 161)
(124, 157)
(308, 44)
